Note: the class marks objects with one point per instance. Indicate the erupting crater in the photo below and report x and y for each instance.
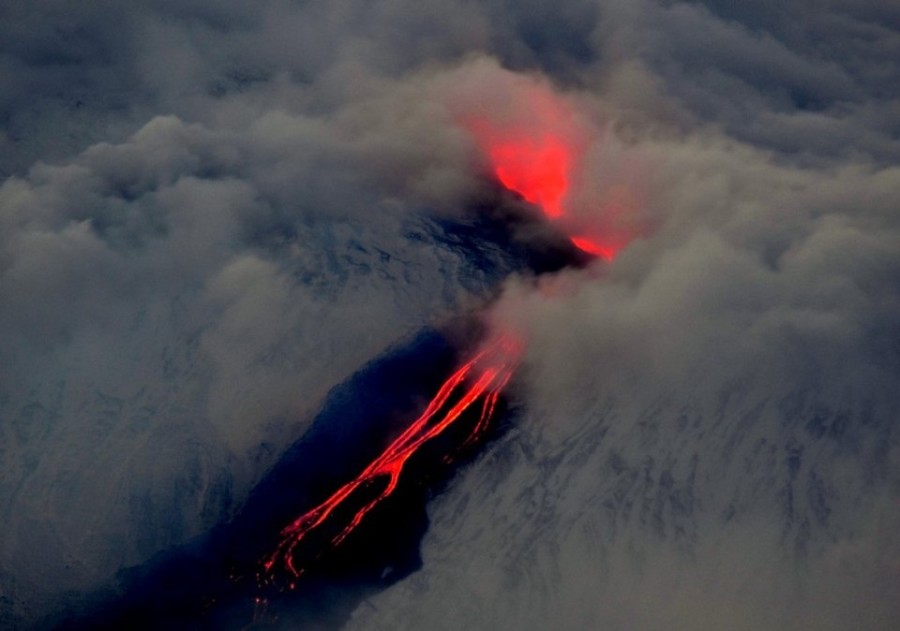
(535, 144)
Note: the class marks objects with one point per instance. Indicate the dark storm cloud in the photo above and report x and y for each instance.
(203, 197)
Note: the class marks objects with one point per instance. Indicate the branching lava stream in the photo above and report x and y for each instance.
(478, 382)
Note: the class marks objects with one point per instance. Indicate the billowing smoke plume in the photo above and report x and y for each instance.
(213, 212)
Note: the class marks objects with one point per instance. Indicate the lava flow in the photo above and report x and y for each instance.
(482, 379)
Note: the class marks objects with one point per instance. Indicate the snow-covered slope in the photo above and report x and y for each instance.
(751, 512)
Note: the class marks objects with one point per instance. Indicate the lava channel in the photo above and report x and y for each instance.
(479, 381)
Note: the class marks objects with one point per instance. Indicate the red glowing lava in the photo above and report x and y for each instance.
(536, 145)
(482, 378)
(535, 168)
(585, 244)
(540, 168)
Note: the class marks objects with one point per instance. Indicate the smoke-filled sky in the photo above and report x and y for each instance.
(213, 212)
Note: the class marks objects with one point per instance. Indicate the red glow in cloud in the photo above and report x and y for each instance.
(535, 144)
(536, 169)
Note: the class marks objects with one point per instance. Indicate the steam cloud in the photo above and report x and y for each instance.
(201, 198)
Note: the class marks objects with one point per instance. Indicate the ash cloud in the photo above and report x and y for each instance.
(200, 199)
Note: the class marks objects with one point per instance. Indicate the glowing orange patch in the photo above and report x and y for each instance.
(535, 147)
(481, 379)
(605, 252)
(537, 169)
